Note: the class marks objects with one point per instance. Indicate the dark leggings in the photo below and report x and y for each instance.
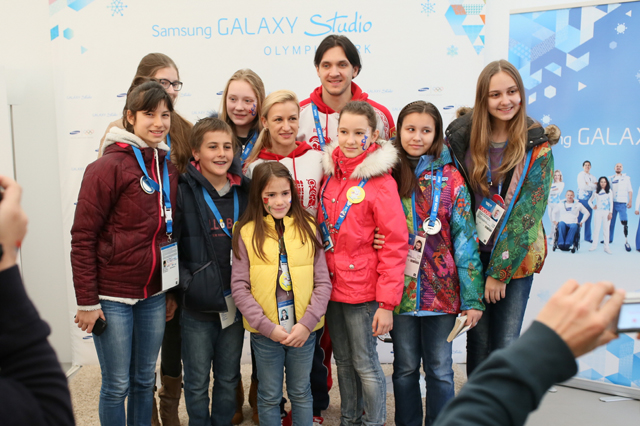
(171, 343)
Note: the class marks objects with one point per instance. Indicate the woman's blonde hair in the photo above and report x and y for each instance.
(264, 139)
(481, 129)
(257, 86)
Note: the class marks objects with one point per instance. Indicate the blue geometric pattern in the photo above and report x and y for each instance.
(78, 5)
(466, 18)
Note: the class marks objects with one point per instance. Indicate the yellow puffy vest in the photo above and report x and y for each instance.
(263, 274)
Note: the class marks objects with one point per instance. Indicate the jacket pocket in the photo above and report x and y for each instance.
(203, 291)
(353, 271)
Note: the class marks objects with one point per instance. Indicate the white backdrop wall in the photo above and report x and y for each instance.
(412, 50)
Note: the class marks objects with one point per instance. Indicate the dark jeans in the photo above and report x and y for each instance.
(501, 322)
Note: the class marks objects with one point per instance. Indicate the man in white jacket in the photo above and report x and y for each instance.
(586, 185)
(567, 220)
(622, 196)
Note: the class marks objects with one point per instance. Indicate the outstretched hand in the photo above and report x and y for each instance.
(580, 317)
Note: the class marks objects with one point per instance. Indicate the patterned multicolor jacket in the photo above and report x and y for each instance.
(450, 272)
(520, 248)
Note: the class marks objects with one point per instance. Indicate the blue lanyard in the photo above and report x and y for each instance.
(249, 147)
(166, 189)
(435, 205)
(216, 212)
(316, 119)
(345, 210)
(499, 164)
(168, 143)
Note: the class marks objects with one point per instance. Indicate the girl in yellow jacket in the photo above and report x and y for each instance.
(281, 284)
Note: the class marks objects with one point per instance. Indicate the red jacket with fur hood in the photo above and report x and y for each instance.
(118, 227)
(358, 272)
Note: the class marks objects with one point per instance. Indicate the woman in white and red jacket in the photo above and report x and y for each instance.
(121, 220)
(367, 283)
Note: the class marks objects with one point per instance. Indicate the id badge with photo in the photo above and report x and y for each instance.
(286, 314)
(414, 258)
(326, 237)
(169, 262)
(487, 218)
(232, 315)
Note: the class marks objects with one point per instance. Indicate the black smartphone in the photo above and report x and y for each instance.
(99, 327)
(629, 317)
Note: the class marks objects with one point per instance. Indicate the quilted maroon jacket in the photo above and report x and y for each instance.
(118, 227)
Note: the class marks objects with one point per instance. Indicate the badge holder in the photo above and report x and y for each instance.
(232, 315)
(326, 237)
(414, 258)
(170, 270)
(286, 314)
(488, 216)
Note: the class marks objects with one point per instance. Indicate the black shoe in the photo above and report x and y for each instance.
(627, 246)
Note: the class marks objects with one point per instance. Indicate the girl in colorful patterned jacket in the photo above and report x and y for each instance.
(279, 265)
(506, 161)
(447, 276)
(359, 195)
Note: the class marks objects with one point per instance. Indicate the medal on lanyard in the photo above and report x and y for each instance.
(149, 186)
(217, 214)
(285, 277)
(316, 120)
(249, 147)
(432, 225)
(353, 197)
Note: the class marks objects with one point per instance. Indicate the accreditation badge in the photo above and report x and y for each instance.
(169, 262)
(487, 217)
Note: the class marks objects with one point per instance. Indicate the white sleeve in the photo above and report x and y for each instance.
(638, 200)
(611, 203)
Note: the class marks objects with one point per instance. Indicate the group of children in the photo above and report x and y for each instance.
(287, 234)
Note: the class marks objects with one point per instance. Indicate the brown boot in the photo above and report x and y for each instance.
(238, 417)
(170, 399)
(253, 401)
(155, 421)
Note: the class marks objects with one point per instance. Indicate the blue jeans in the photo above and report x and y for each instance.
(272, 359)
(128, 351)
(587, 224)
(500, 324)
(205, 347)
(617, 208)
(360, 376)
(567, 234)
(423, 339)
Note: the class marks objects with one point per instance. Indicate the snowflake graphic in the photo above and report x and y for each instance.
(620, 28)
(117, 7)
(452, 50)
(546, 119)
(429, 7)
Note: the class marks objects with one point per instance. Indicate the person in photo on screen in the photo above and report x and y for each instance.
(637, 212)
(602, 213)
(163, 69)
(449, 281)
(242, 101)
(212, 195)
(114, 253)
(367, 285)
(279, 261)
(622, 198)
(587, 184)
(567, 222)
(554, 197)
(491, 146)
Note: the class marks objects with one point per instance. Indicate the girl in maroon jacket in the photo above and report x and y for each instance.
(123, 218)
(359, 195)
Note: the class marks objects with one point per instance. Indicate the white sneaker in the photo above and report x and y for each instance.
(593, 247)
(607, 250)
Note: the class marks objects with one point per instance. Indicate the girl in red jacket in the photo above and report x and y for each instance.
(123, 217)
(359, 195)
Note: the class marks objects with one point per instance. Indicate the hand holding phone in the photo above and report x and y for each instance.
(629, 317)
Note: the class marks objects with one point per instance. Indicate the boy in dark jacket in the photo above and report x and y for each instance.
(212, 196)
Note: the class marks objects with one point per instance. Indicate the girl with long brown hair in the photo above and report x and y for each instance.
(507, 164)
(281, 284)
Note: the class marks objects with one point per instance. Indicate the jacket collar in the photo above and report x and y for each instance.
(234, 174)
(438, 163)
(118, 135)
(296, 153)
(378, 160)
(316, 97)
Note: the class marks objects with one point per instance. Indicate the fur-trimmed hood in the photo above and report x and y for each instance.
(378, 160)
(118, 135)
